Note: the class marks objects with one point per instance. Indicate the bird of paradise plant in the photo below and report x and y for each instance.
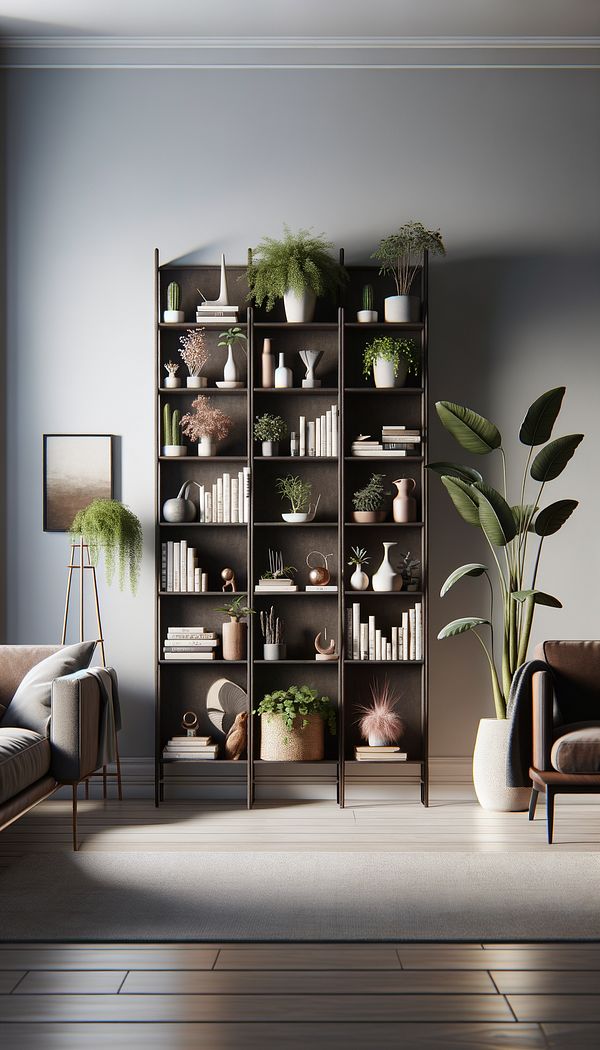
(507, 528)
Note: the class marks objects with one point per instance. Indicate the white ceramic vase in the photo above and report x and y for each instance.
(400, 308)
(359, 581)
(386, 578)
(207, 446)
(283, 374)
(230, 372)
(489, 769)
(384, 376)
(270, 448)
(196, 382)
(299, 309)
(172, 382)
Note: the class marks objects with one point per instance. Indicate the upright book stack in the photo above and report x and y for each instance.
(180, 572)
(190, 643)
(190, 749)
(227, 500)
(319, 437)
(369, 642)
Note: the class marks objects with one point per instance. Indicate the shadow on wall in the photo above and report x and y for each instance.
(502, 331)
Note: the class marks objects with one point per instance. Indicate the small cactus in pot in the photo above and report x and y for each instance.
(367, 315)
(173, 313)
(172, 433)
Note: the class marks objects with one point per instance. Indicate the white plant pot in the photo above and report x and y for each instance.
(489, 769)
(374, 740)
(359, 581)
(270, 448)
(207, 446)
(383, 373)
(230, 372)
(401, 308)
(174, 450)
(173, 317)
(295, 519)
(367, 316)
(172, 382)
(299, 309)
(386, 578)
(196, 382)
(274, 651)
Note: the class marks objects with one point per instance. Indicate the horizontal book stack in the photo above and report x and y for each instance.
(190, 748)
(277, 585)
(208, 313)
(319, 437)
(368, 642)
(180, 572)
(396, 441)
(190, 643)
(227, 500)
(383, 753)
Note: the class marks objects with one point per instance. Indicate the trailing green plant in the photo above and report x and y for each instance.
(232, 336)
(173, 296)
(269, 428)
(367, 297)
(371, 496)
(235, 608)
(507, 527)
(401, 253)
(108, 527)
(296, 491)
(171, 426)
(298, 701)
(298, 262)
(358, 556)
(388, 349)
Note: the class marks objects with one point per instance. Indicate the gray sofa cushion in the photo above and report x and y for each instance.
(30, 706)
(577, 751)
(24, 758)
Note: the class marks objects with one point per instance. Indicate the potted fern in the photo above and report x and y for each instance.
(292, 724)
(368, 501)
(298, 269)
(108, 527)
(270, 430)
(509, 529)
(401, 255)
(392, 361)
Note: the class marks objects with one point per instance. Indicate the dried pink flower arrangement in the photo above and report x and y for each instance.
(380, 719)
(205, 421)
(194, 352)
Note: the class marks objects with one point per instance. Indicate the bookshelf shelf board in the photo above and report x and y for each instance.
(384, 459)
(202, 663)
(295, 594)
(304, 391)
(313, 662)
(295, 524)
(224, 322)
(194, 391)
(379, 594)
(206, 761)
(415, 326)
(204, 459)
(383, 390)
(296, 459)
(199, 594)
(204, 524)
(383, 525)
(394, 663)
(303, 326)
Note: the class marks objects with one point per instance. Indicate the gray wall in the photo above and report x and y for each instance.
(105, 165)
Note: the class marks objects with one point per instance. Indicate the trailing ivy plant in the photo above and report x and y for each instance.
(298, 262)
(389, 349)
(507, 528)
(298, 701)
(108, 527)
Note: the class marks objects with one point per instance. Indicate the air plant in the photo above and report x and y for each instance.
(358, 556)
(380, 720)
(172, 368)
(277, 570)
(194, 352)
(205, 421)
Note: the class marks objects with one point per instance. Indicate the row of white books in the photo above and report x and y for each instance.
(190, 643)
(227, 500)
(379, 753)
(190, 748)
(179, 569)
(319, 437)
(369, 642)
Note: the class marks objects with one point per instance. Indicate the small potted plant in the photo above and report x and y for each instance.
(368, 501)
(297, 269)
(410, 569)
(235, 633)
(298, 493)
(172, 380)
(359, 581)
(292, 724)
(272, 631)
(194, 354)
(391, 360)
(229, 339)
(173, 314)
(270, 430)
(367, 315)
(401, 255)
(380, 723)
(108, 527)
(172, 433)
(206, 425)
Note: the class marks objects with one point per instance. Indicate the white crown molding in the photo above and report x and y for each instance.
(300, 52)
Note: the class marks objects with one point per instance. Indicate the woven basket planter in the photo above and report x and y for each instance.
(280, 744)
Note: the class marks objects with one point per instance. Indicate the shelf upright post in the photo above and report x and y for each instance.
(157, 540)
(341, 586)
(250, 562)
(425, 535)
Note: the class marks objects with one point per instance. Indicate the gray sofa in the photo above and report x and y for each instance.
(53, 740)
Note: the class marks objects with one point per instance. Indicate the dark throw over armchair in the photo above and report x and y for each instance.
(566, 723)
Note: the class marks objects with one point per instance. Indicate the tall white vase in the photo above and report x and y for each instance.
(386, 579)
(230, 372)
(489, 769)
(299, 309)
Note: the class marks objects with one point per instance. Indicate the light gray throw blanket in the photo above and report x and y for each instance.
(520, 734)
(110, 715)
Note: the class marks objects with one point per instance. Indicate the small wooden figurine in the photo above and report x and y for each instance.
(228, 576)
(235, 744)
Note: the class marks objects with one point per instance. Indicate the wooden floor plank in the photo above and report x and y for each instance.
(308, 957)
(126, 957)
(72, 982)
(572, 1036)
(417, 956)
(545, 1008)
(547, 982)
(9, 979)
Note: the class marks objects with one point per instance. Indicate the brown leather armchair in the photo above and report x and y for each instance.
(566, 723)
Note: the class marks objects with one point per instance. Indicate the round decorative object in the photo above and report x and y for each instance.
(319, 575)
(180, 508)
(228, 577)
(325, 652)
(224, 701)
(489, 769)
(189, 722)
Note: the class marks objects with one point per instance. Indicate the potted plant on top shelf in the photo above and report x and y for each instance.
(173, 314)
(507, 528)
(392, 361)
(298, 493)
(235, 632)
(400, 255)
(367, 315)
(292, 724)
(206, 425)
(270, 430)
(194, 354)
(297, 269)
(368, 501)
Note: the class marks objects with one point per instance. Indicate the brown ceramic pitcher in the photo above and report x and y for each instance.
(404, 506)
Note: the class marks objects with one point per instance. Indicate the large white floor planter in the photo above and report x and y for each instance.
(299, 309)
(489, 769)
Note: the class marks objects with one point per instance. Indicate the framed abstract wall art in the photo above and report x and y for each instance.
(78, 468)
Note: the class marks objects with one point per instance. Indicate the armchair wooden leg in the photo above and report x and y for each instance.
(118, 763)
(104, 782)
(533, 802)
(75, 845)
(550, 812)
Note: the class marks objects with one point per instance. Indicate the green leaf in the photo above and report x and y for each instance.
(536, 428)
(455, 470)
(539, 598)
(552, 460)
(472, 569)
(472, 431)
(495, 515)
(552, 518)
(522, 514)
(462, 497)
(465, 623)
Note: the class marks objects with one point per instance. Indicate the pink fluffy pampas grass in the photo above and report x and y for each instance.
(380, 720)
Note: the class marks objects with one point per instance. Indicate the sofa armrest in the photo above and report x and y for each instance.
(74, 727)
(543, 706)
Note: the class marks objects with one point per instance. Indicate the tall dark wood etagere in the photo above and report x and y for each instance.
(182, 686)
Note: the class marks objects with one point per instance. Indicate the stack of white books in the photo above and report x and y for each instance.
(278, 585)
(366, 641)
(330, 588)
(207, 313)
(190, 748)
(319, 437)
(179, 570)
(383, 753)
(396, 441)
(227, 500)
(190, 643)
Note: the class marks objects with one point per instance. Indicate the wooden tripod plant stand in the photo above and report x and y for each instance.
(81, 562)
